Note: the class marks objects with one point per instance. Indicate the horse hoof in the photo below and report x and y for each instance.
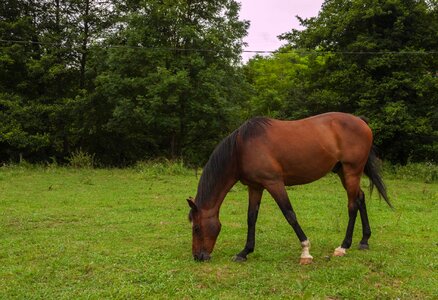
(339, 251)
(305, 260)
(238, 258)
(364, 247)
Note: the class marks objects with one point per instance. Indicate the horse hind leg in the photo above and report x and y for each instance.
(351, 182)
(366, 230)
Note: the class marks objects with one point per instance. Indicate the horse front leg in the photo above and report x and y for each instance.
(279, 193)
(255, 196)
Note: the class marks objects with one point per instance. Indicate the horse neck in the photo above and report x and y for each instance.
(216, 195)
(219, 174)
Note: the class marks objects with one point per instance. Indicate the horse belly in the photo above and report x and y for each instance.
(306, 166)
(302, 174)
(293, 163)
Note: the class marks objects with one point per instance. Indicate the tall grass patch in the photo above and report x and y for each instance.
(425, 171)
(159, 167)
(81, 159)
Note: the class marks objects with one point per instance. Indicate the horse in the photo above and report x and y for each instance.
(269, 154)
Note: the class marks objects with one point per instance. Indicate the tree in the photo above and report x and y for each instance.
(168, 84)
(17, 134)
(44, 49)
(383, 64)
(281, 84)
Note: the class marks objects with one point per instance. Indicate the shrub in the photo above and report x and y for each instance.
(426, 171)
(162, 166)
(81, 159)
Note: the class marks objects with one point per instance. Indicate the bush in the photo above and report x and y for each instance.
(162, 167)
(81, 159)
(427, 171)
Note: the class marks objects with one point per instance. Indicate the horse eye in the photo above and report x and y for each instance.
(196, 228)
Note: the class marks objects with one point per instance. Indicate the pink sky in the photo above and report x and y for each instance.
(270, 18)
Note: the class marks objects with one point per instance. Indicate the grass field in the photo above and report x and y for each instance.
(110, 233)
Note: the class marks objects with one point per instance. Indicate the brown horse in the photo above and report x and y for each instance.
(271, 154)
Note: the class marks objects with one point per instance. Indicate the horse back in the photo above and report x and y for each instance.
(302, 151)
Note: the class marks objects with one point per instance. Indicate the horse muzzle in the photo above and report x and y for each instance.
(203, 256)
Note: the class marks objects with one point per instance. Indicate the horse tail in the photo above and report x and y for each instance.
(372, 170)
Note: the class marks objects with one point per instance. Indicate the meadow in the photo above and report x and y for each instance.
(68, 233)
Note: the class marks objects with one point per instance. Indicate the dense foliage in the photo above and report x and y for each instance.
(381, 62)
(128, 80)
(125, 81)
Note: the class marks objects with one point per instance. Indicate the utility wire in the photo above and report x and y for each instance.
(244, 51)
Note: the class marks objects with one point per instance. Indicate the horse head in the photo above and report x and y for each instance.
(205, 230)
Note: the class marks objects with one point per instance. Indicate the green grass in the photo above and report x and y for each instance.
(97, 234)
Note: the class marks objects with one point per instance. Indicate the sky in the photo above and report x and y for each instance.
(270, 18)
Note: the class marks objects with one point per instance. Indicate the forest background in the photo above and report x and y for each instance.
(132, 80)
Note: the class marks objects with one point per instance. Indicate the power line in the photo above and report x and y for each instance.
(339, 52)
(107, 46)
(298, 51)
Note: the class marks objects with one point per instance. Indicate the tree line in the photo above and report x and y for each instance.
(138, 79)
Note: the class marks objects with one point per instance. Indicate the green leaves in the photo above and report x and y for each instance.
(172, 72)
(382, 64)
(137, 79)
(126, 80)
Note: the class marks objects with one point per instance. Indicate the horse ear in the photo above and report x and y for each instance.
(192, 204)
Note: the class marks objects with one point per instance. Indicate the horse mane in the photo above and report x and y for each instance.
(254, 127)
(223, 158)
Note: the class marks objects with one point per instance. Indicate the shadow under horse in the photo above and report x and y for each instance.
(269, 154)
